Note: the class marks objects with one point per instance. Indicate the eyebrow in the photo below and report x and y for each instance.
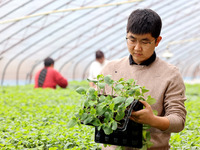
(132, 37)
(145, 39)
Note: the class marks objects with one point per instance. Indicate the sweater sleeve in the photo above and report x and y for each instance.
(174, 103)
(60, 80)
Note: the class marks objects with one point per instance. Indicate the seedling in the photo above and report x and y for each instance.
(108, 111)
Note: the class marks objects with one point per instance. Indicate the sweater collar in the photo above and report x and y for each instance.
(146, 62)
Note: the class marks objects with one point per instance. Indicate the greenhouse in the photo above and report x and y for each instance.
(70, 32)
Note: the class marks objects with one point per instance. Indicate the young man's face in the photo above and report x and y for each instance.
(141, 47)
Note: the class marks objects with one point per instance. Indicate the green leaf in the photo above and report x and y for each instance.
(155, 112)
(144, 147)
(53, 148)
(94, 81)
(92, 97)
(108, 80)
(146, 127)
(112, 105)
(131, 92)
(107, 114)
(96, 122)
(93, 111)
(121, 80)
(144, 90)
(120, 116)
(101, 85)
(91, 90)
(89, 119)
(141, 98)
(99, 77)
(149, 144)
(130, 81)
(121, 107)
(136, 87)
(105, 145)
(106, 120)
(144, 133)
(99, 128)
(137, 93)
(83, 116)
(100, 110)
(114, 125)
(118, 100)
(119, 87)
(81, 90)
(72, 122)
(150, 100)
(80, 113)
(102, 98)
(148, 135)
(86, 103)
(107, 130)
(92, 103)
(108, 98)
(120, 148)
(128, 101)
(68, 145)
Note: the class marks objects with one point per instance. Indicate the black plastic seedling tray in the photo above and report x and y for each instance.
(135, 105)
(129, 135)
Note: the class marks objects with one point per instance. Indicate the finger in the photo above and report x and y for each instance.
(136, 113)
(144, 103)
(133, 118)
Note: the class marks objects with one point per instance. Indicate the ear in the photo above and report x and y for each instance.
(158, 40)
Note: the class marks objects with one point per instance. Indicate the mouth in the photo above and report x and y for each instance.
(137, 54)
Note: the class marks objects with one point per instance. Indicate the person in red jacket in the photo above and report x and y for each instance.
(48, 77)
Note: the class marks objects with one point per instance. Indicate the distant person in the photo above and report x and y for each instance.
(96, 66)
(48, 77)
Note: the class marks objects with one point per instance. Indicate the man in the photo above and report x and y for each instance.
(96, 66)
(163, 80)
(48, 77)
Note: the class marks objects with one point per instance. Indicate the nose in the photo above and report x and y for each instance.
(138, 46)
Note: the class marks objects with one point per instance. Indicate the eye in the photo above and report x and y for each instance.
(145, 42)
(133, 40)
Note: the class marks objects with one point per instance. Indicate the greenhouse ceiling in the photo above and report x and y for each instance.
(70, 31)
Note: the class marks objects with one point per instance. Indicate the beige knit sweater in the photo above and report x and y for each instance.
(165, 84)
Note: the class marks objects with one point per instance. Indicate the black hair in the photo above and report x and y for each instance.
(143, 21)
(99, 54)
(42, 77)
(48, 62)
